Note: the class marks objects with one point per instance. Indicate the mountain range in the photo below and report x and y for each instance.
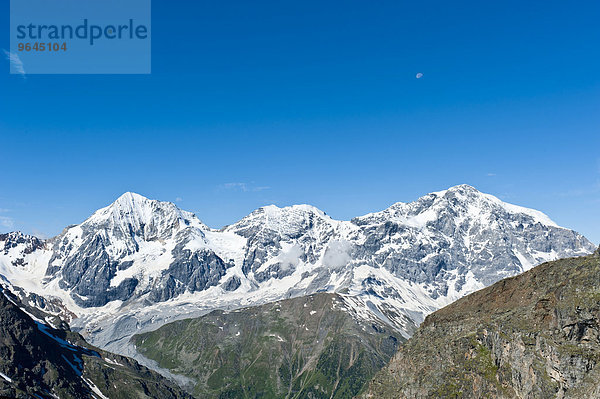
(138, 264)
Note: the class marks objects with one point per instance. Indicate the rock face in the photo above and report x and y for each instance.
(27, 243)
(459, 231)
(86, 258)
(536, 335)
(37, 360)
(139, 263)
(317, 346)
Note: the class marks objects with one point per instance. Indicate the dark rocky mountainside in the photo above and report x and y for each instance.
(42, 362)
(316, 346)
(536, 335)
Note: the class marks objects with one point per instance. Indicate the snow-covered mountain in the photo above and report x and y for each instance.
(139, 263)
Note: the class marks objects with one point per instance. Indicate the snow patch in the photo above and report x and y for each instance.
(5, 377)
(94, 388)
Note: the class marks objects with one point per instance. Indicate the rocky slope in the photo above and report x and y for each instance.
(536, 335)
(140, 263)
(316, 346)
(40, 361)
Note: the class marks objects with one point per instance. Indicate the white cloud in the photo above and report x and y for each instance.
(337, 254)
(178, 199)
(291, 258)
(15, 62)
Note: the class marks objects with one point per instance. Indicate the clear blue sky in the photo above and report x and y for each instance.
(252, 103)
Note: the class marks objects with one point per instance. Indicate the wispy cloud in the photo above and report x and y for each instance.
(15, 62)
(7, 222)
(491, 174)
(506, 196)
(572, 193)
(243, 187)
(178, 199)
(594, 189)
(39, 233)
(235, 186)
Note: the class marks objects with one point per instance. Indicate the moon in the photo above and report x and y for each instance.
(419, 75)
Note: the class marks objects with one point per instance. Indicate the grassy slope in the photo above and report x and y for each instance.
(308, 347)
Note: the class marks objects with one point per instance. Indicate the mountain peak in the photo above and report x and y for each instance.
(466, 194)
(273, 210)
(130, 196)
(288, 220)
(463, 200)
(463, 188)
(130, 202)
(136, 213)
(132, 206)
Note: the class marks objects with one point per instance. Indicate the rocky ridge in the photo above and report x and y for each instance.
(536, 335)
(38, 360)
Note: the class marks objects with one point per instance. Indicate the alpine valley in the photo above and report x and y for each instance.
(139, 264)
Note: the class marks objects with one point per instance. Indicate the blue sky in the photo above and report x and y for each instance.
(252, 103)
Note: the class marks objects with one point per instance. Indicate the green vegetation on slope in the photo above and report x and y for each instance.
(308, 347)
